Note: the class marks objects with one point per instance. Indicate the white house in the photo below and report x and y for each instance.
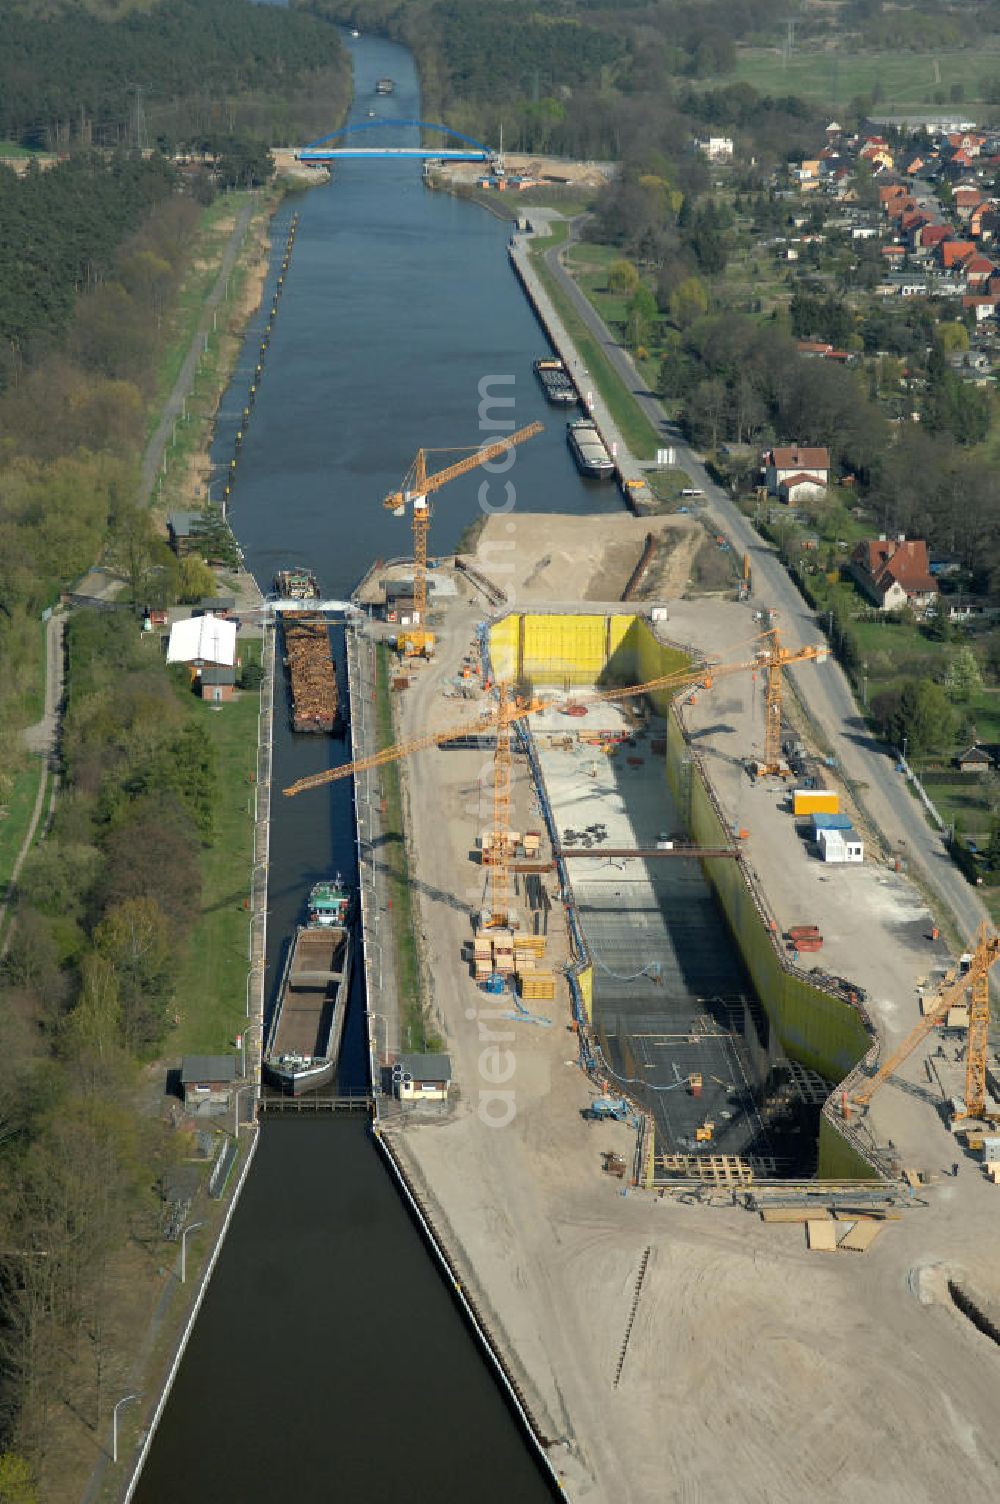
(799, 488)
(795, 462)
(422, 1078)
(716, 148)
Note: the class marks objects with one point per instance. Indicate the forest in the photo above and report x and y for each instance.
(166, 75)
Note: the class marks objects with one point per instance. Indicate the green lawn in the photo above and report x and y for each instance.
(667, 485)
(413, 1031)
(17, 813)
(211, 992)
(638, 433)
(903, 80)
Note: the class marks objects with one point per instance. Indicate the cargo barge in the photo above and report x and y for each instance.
(296, 585)
(587, 449)
(311, 673)
(303, 1041)
(385, 86)
(556, 382)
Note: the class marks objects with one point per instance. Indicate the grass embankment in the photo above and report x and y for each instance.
(638, 433)
(394, 859)
(183, 481)
(211, 991)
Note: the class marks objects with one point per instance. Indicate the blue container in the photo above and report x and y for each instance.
(829, 822)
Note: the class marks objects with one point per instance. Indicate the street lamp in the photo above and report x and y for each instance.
(250, 1028)
(250, 1086)
(254, 914)
(905, 744)
(184, 1238)
(864, 670)
(114, 1424)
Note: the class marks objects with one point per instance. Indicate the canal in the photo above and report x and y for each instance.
(329, 1355)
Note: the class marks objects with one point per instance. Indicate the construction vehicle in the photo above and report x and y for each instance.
(973, 978)
(705, 1132)
(417, 486)
(509, 708)
(605, 1109)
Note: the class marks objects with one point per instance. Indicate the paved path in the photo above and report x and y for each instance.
(42, 740)
(153, 458)
(866, 763)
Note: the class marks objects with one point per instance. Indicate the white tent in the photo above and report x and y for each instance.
(203, 639)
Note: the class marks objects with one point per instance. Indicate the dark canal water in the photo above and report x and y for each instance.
(329, 1358)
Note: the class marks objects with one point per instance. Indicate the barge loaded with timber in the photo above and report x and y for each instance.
(311, 673)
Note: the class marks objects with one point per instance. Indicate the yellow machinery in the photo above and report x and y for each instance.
(976, 982)
(508, 709)
(417, 486)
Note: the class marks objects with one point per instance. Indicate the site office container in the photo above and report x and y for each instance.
(815, 802)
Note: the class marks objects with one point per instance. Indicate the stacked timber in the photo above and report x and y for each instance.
(311, 671)
(537, 986)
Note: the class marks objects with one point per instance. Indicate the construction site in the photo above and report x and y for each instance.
(701, 1029)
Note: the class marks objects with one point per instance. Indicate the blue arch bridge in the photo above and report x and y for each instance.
(322, 151)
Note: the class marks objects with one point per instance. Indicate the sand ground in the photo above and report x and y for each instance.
(756, 1371)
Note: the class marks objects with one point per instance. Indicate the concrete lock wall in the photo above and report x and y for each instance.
(813, 1027)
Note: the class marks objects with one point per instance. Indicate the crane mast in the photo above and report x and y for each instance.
(977, 979)
(417, 486)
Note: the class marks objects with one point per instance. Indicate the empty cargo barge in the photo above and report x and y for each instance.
(303, 1042)
(587, 448)
(311, 673)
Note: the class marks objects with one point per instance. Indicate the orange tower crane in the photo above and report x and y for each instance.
(501, 717)
(417, 486)
(976, 982)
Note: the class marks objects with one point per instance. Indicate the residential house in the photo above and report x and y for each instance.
(978, 271)
(965, 200)
(930, 237)
(876, 151)
(952, 253)
(984, 306)
(795, 461)
(969, 607)
(974, 759)
(422, 1078)
(800, 488)
(894, 572)
(207, 1080)
(716, 148)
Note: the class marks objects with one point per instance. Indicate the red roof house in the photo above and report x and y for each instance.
(894, 572)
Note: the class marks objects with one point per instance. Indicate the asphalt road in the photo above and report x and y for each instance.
(868, 765)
